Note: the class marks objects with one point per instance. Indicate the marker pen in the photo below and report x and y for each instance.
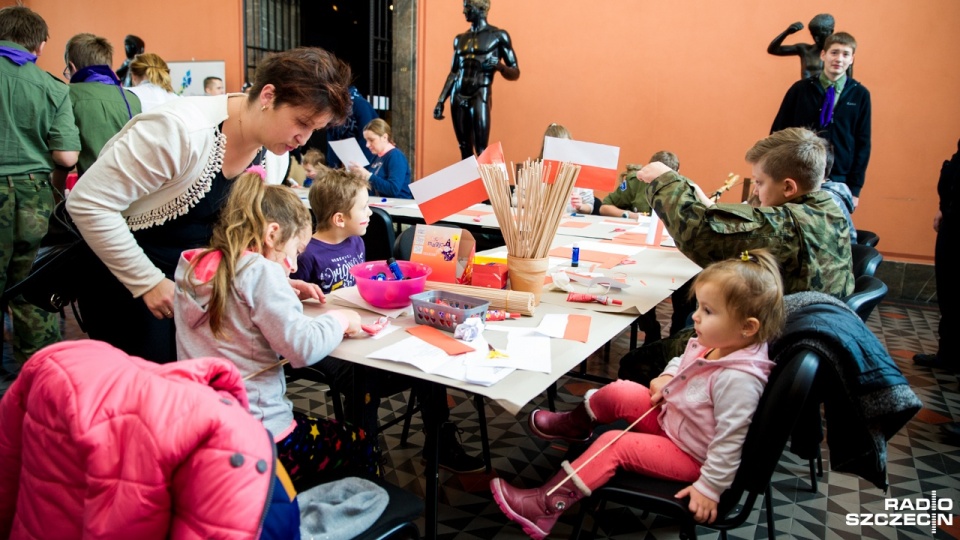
(395, 268)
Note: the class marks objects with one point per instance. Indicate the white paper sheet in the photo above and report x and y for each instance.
(467, 367)
(553, 325)
(349, 152)
(350, 297)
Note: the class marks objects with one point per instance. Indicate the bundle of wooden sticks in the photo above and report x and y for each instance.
(529, 227)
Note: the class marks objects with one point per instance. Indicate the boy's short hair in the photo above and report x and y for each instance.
(667, 158)
(333, 191)
(841, 38)
(209, 80)
(85, 50)
(796, 153)
(313, 157)
(23, 26)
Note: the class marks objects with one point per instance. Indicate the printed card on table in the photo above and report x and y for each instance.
(598, 162)
(448, 251)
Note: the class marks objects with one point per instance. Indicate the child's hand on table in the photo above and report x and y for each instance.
(306, 291)
(353, 321)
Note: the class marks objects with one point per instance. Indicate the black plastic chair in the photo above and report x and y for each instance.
(380, 237)
(865, 260)
(868, 292)
(867, 238)
(778, 410)
(399, 517)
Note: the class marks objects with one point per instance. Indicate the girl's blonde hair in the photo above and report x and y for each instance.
(751, 287)
(380, 127)
(152, 68)
(242, 227)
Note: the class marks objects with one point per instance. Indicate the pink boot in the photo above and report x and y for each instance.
(575, 426)
(533, 509)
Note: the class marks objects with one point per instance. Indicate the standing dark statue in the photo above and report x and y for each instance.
(821, 26)
(478, 54)
(132, 46)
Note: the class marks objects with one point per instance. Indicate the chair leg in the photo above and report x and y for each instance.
(813, 477)
(578, 526)
(552, 397)
(634, 333)
(484, 440)
(337, 402)
(411, 404)
(768, 501)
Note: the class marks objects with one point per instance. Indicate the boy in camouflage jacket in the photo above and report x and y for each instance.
(797, 222)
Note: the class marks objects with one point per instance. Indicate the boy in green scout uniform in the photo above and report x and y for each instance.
(37, 133)
(629, 200)
(800, 224)
(101, 107)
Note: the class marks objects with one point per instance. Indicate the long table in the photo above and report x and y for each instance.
(511, 393)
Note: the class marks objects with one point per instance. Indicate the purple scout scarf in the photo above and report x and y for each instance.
(103, 75)
(17, 56)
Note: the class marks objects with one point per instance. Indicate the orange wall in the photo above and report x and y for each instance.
(694, 77)
(687, 75)
(177, 30)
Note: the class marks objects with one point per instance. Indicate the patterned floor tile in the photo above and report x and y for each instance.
(919, 458)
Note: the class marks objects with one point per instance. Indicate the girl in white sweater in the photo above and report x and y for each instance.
(233, 300)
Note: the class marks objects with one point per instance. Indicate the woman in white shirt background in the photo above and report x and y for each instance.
(151, 81)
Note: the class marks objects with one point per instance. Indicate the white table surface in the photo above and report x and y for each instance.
(518, 388)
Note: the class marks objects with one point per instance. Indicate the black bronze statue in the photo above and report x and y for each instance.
(821, 26)
(132, 45)
(478, 54)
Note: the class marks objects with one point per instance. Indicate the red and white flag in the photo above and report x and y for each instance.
(449, 190)
(598, 162)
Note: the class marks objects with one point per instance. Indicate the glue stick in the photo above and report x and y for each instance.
(575, 255)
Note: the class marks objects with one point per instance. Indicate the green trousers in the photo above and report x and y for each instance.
(25, 206)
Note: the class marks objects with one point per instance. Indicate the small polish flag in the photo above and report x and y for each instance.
(598, 162)
(449, 190)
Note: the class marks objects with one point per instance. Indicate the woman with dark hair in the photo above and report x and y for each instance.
(158, 186)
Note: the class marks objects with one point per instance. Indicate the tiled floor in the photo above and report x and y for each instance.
(919, 461)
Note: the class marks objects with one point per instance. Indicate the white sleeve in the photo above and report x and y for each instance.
(150, 153)
(278, 314)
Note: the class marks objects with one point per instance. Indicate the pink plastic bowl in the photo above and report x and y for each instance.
(393, 293)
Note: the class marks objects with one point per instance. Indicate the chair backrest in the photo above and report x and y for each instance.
(867, 238)
(379, 239)
(865, 260)
(868, 292)
(778, 410)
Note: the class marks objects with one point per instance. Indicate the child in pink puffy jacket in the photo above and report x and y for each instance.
(708, 398)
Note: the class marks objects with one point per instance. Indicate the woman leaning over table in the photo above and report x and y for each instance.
(158, 186)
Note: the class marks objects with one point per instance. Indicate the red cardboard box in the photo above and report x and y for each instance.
(492, 275)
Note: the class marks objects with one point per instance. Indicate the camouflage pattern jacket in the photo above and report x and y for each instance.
(808, 235)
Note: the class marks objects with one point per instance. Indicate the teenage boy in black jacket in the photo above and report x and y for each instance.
(844, 120)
